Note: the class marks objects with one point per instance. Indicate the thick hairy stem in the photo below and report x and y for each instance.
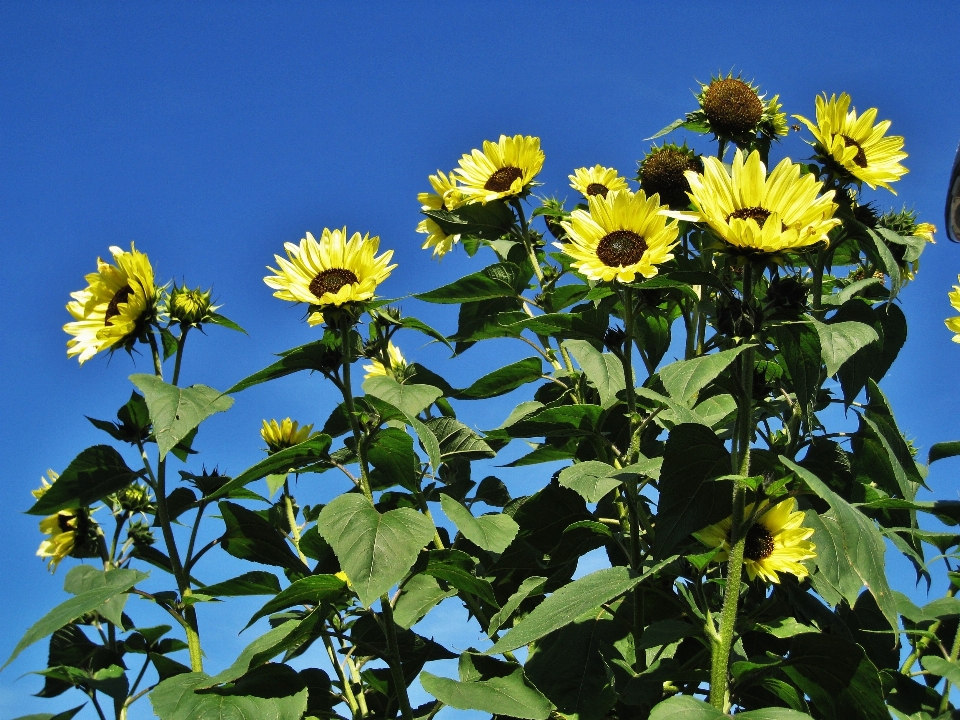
(155, 351)
(626, 297)
(179, 358)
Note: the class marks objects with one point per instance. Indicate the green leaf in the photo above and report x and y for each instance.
(940, 451)
(417, 597)
(492, 533)
(411, 323)
(568, 603)
(429, 441)
(563, 421)
(91, 476)
(258, 652)
(591, 480)
(288, 459)
(684, 379)
(409, 398)
(504, 380)
(458, 569)
(65, 715)
(488, 221)
(176, 411)
(82, 578)
(311, 590)
(584, 325)
(839, 341)
(667, 130)
(394, 461)
(603, 370)
(512, 695)
(456, 441)
(494, 281)
(218, 319)
(799, 345)
(176, 699)
(117, 581)
(249, 537)
(690, 499)
(943, 668)
(375, 550)
(530, 586)
(684, 707)
(317, 355)
(860, 544)
(889, 262)
(170, 343)
(257, 582)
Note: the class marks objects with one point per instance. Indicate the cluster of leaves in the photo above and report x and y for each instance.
(646, 463)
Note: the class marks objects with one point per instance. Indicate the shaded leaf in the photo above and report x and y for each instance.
(492, 533)
(92, 475)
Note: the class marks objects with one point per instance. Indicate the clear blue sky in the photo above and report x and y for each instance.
(211, 133)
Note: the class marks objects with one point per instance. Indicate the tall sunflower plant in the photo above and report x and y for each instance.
(689, 332)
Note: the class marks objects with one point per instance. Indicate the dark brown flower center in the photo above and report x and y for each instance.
(597, 189)
(113, 309)
(757, 213)
(732, 106)
(759, 543)
(662, 172)
(329, 281)
(502, 179)
(860, 159)
(621, 248)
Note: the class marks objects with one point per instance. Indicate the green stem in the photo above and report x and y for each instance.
(534, 261)
(626, 358)
(155, 350)
(292, 520)
(818, 280)
(393, 650)
(180, 343)
(954, 653)
(347, 689)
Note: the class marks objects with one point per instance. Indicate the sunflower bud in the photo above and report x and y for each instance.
(787, 295)
(134, 499)
(190, 307)
(662, 171)
(553, 214)
(736, 319)
(141, 534)
(613, 339)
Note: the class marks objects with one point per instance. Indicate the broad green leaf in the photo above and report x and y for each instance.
(258, 652)
(175, 411)
(492, 282)
(65, 715)
(690, 498)
(567, 604)
(944, 668)
(603, 370)
(511, 695)
(91, 476)
(665, 131)
(862, 546)
(492, 533)
(429, 441)
(411, 323)
(530, 586)
(799, 346)
(713, 410)
(287, 460)
(839, 341)
(82, 578)
(249, 537)
(457, 441)
(591, 480)
(684, 379)
(316, 355)
(457, 569)
(942, 450)
(676, 414)
(311, 590)
(256, 582)
(504, 380)
(417, 597)
(117, 581)
(218, 319)
(176, 699)
(375, 550)
(409, 398)
(563, 421)
(890, 265)
(684, 707)
(488, 221)
(583, 325)
(394, 461)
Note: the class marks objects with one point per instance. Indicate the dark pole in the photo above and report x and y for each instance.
(952, 210)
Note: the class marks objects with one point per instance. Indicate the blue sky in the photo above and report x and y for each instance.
(212, 133)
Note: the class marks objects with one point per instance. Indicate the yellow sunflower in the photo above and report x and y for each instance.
(446, 196)
(330, 272)
(283, 434)
(953, 324)
(503, 169)
(752, 211)
(114, 307)
(777, 542)
(856, 144)
(397, 364)
(597, 180)
(623, 235)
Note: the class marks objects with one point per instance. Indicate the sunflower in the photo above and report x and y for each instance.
(623, 235)
(114, 308)
(69, 530)
(855, 144)
(953, 324)
(283, 434)
(504, 169)
(331, 272)
(751, 211)
(446, 196)
(776, 542)
(662, 171)
(397, 364)
(597, 180)
(734, 109)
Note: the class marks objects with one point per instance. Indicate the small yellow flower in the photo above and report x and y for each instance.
(504, 169)
(954, 323)
(857, 145)
(777, 542)
(623, 235)
(597, 180)
(69, 531)
(330, 272)
(114, 307)
(44, 485)
(396, 365)
(284, 434)
(446, 196)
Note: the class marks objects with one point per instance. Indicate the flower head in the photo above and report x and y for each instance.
(72, 533)
(953, 324)
(662, 171)
(597, 180)
(396, 365)
(190, 307)
(622, 236)
(330, 272)
(755, 212)
(281, 435)
(446, 196)
(504, 169)
(734, 109)
(776, 542)
(115, 307)
(855, 145)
